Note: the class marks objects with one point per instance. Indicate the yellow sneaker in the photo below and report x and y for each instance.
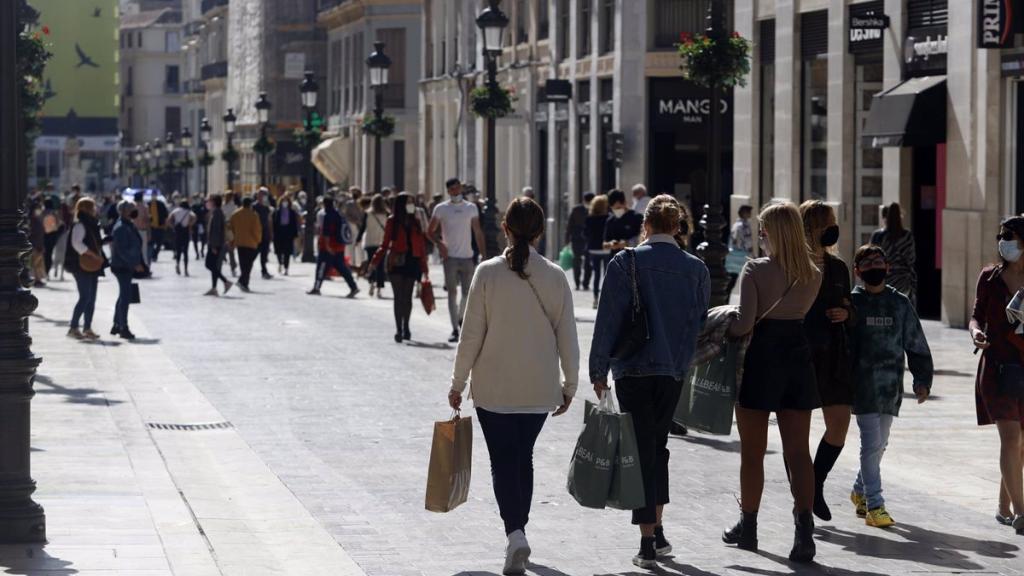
(879, 518)
(860, 503)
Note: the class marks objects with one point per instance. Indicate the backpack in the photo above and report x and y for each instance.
(336, 228)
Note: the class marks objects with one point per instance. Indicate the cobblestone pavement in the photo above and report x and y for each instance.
(343, 416)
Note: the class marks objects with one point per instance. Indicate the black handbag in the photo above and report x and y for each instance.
(1011, 381)
(135, 297)
(635, 332)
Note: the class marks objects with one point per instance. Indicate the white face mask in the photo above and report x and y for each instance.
(456, 198)
(619, 212)
(410, 208)
(1010, 250)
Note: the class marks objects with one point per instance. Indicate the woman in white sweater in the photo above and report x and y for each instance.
(374, 222)
(519, 326)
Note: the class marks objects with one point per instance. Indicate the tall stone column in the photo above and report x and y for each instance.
(787, 101)
(895, 161)
(21, 519)
(842, 145)
(746, 142)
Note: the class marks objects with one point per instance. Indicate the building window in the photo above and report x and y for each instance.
(335, 75)
(673, 17)
(172, 119)
(583, 28)
(171, 80)
(564, 15)
(814, 105)
(344, 71)
(607, 26)
(139, 43)
(583, 119)
(925, 13)
(543, 19)
(359, 72)
(172, 41)
(767, 105)
(522, 22)
(129, 36)
(394, 40)
(129, 87)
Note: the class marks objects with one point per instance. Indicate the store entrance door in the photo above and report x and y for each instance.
(928, 187)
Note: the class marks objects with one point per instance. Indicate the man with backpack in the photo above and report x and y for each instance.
(335, 235)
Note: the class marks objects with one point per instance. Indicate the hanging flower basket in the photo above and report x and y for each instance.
(383, 127)
(707, 63)
(33, 53)
(491, 101)
(229, 155)
(206, 160)
(264, 146)
(185, 164)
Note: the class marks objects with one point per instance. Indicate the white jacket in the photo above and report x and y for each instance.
(511, 347)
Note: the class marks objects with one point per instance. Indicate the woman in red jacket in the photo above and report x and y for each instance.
(403, 254)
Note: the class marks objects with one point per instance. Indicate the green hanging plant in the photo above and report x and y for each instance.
(33, 53)
(264, 145)
(229, 155)
(308, 138)
(383, 127)
(185, 164)
(706, 62)
(206, 160)
(489, 101)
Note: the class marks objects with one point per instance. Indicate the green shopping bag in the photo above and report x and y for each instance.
(565, 258)
(627, 489)
(590, 471)
(709, 394)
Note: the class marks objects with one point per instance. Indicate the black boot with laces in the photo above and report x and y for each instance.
(744, 533)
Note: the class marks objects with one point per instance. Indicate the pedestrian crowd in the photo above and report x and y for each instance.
(807, 337)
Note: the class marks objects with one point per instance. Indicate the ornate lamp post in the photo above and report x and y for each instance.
(309, 89)
(137, 171)
(492, 22)
(378, 63)
(147, 155)
(229, 129)
(205, 133)
(169, 151)
(158, 151)
(713, 251)
(263, 107)
(21, 519)
(186, 144)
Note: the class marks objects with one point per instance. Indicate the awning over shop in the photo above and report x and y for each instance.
(331, 158)
(910, 114)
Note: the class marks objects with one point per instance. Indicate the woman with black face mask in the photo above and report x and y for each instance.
(826, 327)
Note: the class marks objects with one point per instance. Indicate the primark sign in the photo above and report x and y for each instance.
(997, 23)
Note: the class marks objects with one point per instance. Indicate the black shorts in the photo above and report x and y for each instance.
(778, 372)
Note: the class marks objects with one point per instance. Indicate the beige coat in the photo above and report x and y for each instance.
(511, 348)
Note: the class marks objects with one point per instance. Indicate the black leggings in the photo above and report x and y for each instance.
(402, 286)
(214, 262)
(181, 247)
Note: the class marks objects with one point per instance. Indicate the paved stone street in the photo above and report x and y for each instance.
(331, 433)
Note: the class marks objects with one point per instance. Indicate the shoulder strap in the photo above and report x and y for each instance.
(774, 306)
(542, 308)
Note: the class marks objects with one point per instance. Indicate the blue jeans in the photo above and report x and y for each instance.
(510, 439)
(874, 437)
(124, 297)
(598, 262)
(86, 305)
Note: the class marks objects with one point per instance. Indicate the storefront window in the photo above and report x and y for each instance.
(868, 161)
(767, 133)
(814, 145)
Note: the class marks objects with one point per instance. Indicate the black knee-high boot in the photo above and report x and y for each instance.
(824, 460)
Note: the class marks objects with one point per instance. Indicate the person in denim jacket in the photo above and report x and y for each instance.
(126, 259)
(675, 290)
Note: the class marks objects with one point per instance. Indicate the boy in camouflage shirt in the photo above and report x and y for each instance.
(887, 328)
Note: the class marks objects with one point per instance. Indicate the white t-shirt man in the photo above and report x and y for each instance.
(456, 219)
(181, 217)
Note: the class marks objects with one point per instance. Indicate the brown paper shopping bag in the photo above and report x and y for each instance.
(451, 461)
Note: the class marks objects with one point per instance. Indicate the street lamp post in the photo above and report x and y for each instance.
(309, 89)
(492, 21)
(186, 144)
(21, 519)
(205, 132)
(229, 129)
(169, 151)
(263, 107)
(713, 251)
(147, 154)
(378, 63)
(158, 150)
(137, 172)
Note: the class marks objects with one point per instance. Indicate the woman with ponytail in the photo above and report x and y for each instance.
(518, 328)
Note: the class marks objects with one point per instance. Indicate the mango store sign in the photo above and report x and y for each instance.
(688, 110)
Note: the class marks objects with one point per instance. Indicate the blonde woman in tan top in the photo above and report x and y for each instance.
(775, 294)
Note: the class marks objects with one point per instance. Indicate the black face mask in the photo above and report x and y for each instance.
(134, 214)
(874, 276)
(830, 237)
(684, 227)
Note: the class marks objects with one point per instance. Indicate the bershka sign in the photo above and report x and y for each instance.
(996, 23)
(867, 27)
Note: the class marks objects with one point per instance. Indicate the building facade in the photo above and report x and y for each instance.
(615, 70)
(151, 95)
(352, 29)
(864, 103)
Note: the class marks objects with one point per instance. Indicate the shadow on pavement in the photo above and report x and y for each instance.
(436, 346)
(40, 317)
(89, 396)
(713, 443)
(144, 341)
(31, 560)
(799, 569)
(922, 546)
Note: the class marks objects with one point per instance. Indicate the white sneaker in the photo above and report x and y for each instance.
(517, 553)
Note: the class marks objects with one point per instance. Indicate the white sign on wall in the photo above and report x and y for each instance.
(294, 65)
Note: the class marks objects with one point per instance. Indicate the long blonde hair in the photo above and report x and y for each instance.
(789, 249)
(599, 205)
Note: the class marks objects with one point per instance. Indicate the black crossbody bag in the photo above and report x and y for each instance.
(635, 333)
(1011, 381)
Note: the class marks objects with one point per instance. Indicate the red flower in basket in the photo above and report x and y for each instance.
(46, 30)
